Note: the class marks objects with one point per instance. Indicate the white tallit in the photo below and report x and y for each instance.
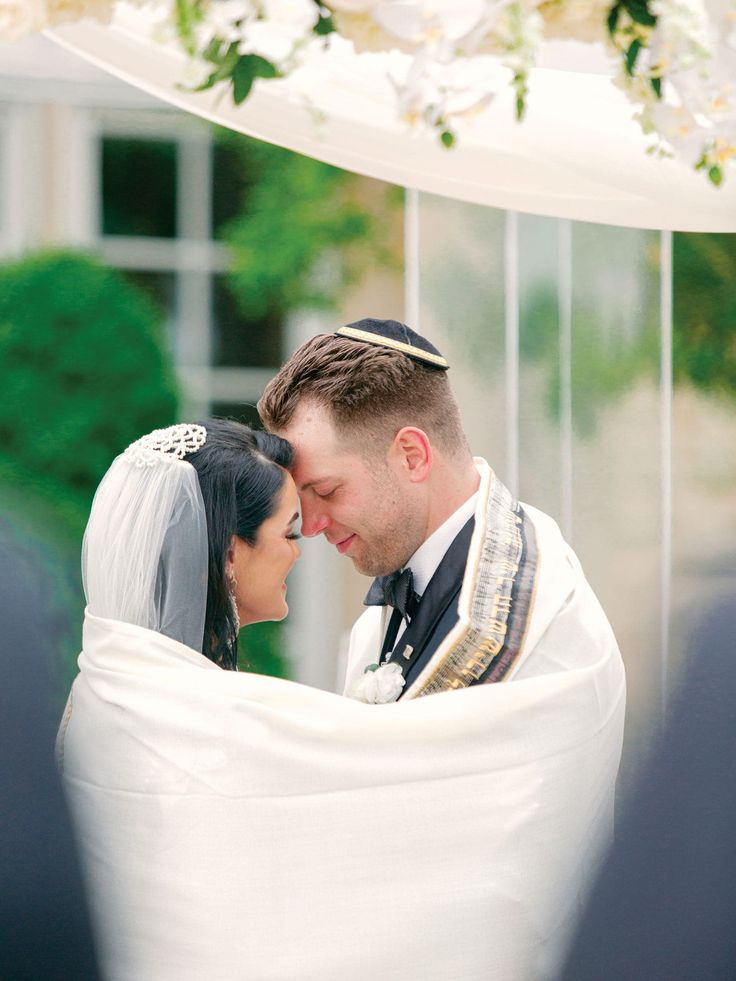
(242, 827)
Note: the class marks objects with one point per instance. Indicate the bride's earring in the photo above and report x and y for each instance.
(232, 585)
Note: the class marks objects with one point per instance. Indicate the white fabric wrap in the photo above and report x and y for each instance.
(242, 827)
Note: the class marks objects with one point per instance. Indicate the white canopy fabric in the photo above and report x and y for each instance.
(578, 154)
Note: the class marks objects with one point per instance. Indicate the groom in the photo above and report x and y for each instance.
(471, 588)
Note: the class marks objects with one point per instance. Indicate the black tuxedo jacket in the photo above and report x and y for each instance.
(437, 612)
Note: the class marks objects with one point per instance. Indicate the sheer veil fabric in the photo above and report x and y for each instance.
(144, 557)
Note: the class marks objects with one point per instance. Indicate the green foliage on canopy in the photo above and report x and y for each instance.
(83, 372)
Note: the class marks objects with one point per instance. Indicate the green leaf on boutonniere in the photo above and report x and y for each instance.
(247, 69)
(370, 667)
(447, 138)
(656, 84)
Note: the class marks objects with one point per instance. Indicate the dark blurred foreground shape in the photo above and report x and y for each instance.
(664, 908)
(45, 932)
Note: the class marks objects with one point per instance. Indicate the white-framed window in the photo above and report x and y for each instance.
(21, 177)
(154, 212)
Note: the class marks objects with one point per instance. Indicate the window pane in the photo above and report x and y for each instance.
(239, 342)
(160, 287)
(229, 185)
(239, 411)
(138, 187)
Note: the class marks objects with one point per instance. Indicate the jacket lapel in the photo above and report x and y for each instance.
(437, 611)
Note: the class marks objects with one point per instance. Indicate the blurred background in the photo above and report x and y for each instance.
(154, 268)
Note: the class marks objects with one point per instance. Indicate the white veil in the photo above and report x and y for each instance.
(144, 556)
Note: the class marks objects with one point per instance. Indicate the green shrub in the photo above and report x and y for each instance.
(83, 372)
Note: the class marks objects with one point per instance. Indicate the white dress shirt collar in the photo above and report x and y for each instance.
(430, 553)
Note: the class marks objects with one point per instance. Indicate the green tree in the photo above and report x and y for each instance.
(301, 233)
(704, 342)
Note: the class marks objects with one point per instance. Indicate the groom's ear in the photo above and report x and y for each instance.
(412, 452)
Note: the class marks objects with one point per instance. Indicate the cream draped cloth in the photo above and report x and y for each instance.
(240, 827)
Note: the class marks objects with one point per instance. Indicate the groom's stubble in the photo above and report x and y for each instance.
(396, 531)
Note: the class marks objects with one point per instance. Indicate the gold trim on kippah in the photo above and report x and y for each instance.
(417, 352)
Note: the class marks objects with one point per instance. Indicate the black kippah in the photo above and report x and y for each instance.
(397, 337)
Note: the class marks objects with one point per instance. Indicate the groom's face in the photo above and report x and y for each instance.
(359, 502)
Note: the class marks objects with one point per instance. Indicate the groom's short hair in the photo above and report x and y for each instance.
(371, 391)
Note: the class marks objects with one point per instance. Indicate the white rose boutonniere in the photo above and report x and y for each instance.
(378, 684)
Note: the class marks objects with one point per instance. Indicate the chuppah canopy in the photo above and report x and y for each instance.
(578, 153)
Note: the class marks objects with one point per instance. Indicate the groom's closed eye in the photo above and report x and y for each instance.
(325, 495)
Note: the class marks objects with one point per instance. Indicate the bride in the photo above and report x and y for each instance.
(237, 827)
(192, 535)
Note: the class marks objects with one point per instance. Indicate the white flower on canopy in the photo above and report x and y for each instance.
(221, 20)
(351, 6)
(284, 25)
(21, 17)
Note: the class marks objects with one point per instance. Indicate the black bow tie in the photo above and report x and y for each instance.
(395, 590)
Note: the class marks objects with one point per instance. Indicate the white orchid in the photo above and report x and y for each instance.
(576, 20)
(351, 6)
(21, 17)
(222, 19)
(67, 11)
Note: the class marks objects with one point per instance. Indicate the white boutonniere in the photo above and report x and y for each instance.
(378, 684)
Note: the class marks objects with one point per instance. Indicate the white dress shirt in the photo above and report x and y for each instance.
(430, 553)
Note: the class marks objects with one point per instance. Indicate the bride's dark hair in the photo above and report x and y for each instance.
(241, 472)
